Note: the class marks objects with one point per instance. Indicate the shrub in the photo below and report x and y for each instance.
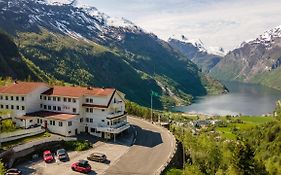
(79, 145)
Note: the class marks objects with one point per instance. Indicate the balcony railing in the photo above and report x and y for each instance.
(115, 129)
(116, 115)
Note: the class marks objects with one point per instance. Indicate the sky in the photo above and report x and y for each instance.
(221, 23)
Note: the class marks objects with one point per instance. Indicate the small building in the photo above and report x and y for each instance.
(66, 110)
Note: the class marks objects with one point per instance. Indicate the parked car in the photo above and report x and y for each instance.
(81, 166)
(47, 156)
(13, 171)
(98, 157)
(62, 155)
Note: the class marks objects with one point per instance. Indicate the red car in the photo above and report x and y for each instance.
(81, 166)
(47, 156)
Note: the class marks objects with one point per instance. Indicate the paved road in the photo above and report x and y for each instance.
(151, 150)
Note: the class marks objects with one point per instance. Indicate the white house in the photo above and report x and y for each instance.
(66, 110)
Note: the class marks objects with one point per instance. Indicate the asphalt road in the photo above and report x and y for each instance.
(151, 150)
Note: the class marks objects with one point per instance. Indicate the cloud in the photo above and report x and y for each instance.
(223, 23)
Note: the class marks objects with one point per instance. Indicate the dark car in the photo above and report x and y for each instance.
(13, 171)
(98, 157)
(62, 155)
(81, 166)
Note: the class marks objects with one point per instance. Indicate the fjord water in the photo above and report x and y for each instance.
(245, 99)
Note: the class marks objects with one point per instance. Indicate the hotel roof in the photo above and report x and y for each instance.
(49, 115)
(21, 88)
(70, 91)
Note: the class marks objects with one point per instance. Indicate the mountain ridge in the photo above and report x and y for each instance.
(254, 61)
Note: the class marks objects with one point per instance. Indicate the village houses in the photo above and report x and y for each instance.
(66, 110)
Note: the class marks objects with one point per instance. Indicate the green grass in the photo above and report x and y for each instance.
(256, 120)
(25, 140)
(247, 123)
(173, 171)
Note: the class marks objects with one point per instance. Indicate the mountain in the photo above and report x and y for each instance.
(256, 61)
(204, 57)
(83, 46)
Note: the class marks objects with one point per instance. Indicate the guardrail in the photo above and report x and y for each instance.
(10, 136)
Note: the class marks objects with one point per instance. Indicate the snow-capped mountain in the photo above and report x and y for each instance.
(253, 59)
(194, 49)
(199, 44)
(65, 17)
(266, 39)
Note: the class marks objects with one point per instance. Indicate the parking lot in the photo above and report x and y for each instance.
(39, 167)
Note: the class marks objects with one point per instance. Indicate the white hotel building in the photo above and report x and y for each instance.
(66, 110)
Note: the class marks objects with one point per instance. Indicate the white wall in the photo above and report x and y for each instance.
(32, 101)
(66, 107)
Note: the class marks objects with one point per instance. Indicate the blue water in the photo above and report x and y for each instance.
(245, 99)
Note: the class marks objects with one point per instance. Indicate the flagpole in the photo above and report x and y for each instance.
(151, 107)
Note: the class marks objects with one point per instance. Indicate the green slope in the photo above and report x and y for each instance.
(271, 79)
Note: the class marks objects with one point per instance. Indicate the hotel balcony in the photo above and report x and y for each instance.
(116, 115)
(115, 129)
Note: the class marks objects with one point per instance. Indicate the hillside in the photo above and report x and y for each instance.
(86, 47)
(256, 61)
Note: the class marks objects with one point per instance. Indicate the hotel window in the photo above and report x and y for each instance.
(7, 98)
(40, 97)
(70, 123)
(69, 132)
(102, 120)
(18, 107)
(91, 120)
(60, 123)
(7, 106)
(91, 110)
(54, 108)
(59, 108)
(41, 121)
(1, 97)
(64, 99)
(102, 110)
(91, 100)
(58, 98)
(45, 106)
(54, 98)
(87, 100)
(74, 100)
(23, 108)
(17, 98)
(93, 129)
(54, 123)
(87, 120)
(45, 98)
(22, 98)
(2, 106)
(12, 106)
(81, 120)
(49, 98)
(69, 100)
(41, 105)
(38, 121)
(51, 122)
(49, 107)
(87, 110)
(74, 110)
(12, 98)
